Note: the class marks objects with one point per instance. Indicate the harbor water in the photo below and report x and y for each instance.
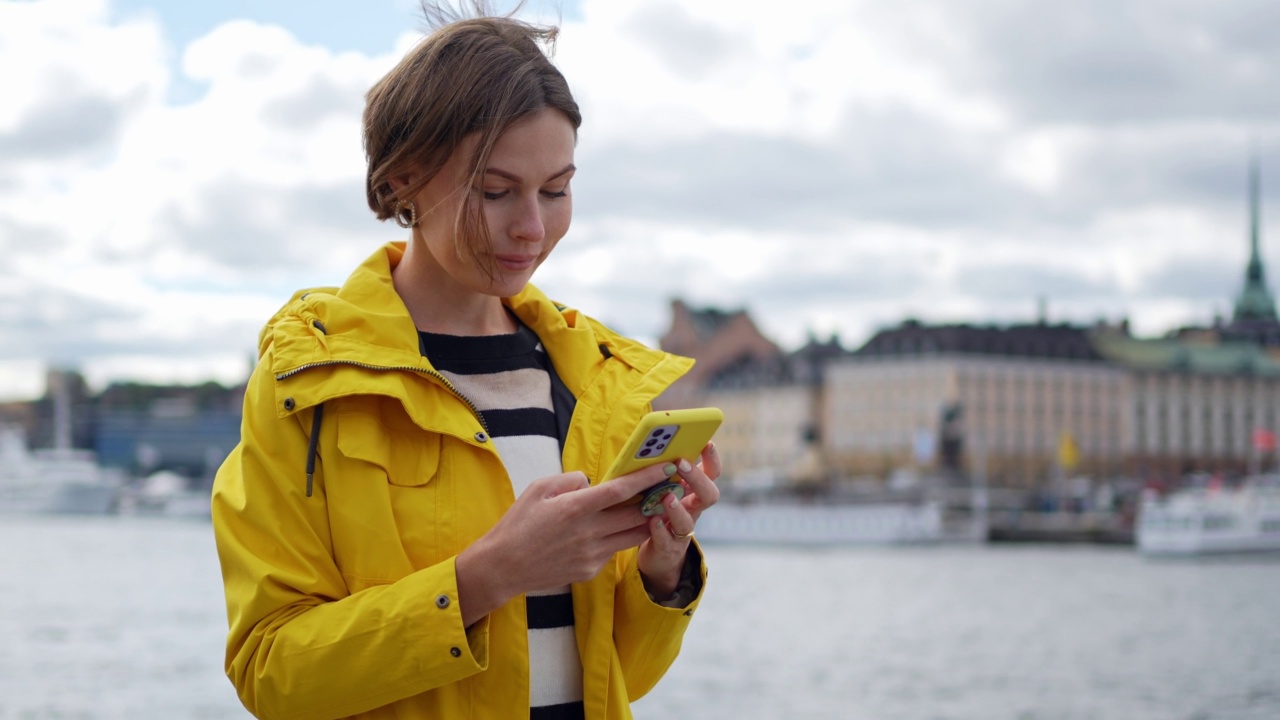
(122, 617)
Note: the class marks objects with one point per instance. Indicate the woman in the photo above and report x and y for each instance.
(408, 527)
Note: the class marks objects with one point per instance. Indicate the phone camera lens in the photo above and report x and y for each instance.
(645, 452)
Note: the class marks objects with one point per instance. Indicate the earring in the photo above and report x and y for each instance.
(406, 215)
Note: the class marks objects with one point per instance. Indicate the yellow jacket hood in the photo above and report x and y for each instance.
(366, 324)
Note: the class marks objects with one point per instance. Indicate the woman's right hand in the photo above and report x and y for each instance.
(560, 530)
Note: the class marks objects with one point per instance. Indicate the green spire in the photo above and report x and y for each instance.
(1255, 302)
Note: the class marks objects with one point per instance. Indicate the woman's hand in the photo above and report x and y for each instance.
(560, 530)
(662, 554)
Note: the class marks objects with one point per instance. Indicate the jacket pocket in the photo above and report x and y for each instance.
(389, 509)
(408, 456)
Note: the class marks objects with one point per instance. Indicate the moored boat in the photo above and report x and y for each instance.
(53, 480)
(1212, 520)
(791, 523)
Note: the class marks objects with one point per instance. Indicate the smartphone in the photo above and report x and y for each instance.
(665, 436)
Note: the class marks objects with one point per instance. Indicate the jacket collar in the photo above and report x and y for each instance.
(365, 323)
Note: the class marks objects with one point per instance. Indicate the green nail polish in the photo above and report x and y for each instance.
(669, 469)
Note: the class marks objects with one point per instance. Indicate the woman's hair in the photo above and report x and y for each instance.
(474, 75)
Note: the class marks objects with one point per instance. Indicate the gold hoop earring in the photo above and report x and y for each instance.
(403, 209)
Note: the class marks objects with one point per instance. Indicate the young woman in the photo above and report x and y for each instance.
(409, 527)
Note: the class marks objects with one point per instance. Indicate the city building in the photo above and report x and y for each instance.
(1198, 399)
(185, 429)
(1190, 406)
(1018, 405)
(773, 411)
(721, 343)
(134, 427)
(1010, 398)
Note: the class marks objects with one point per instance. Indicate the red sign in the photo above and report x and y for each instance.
(1264, 440)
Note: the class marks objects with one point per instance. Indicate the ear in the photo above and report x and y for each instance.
(404, 179)
(399, 182)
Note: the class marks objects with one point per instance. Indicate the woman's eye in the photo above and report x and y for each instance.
(560, 194)
(494, 194)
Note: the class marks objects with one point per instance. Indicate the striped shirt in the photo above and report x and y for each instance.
(510, 380)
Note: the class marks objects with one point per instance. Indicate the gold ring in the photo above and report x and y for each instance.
(678, 536)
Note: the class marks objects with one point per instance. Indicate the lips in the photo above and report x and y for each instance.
(515, 263)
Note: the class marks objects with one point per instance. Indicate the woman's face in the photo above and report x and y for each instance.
(524, 199)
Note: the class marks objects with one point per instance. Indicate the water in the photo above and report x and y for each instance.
(123, 618)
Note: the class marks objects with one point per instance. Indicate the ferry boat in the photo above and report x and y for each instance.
(53, 480)
(1210, 520)
(791, 523)
(167, 493)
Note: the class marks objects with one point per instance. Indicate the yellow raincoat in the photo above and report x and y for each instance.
(345, 602)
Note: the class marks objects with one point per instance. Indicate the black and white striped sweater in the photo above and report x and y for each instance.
(510, 380)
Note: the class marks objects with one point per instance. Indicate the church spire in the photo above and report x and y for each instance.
(1255, 302)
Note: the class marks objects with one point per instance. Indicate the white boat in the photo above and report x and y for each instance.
(52, 480)
(167, 493)
(832, 524)
(1210, 520)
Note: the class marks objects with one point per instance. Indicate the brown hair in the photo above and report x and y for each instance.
(477, 75)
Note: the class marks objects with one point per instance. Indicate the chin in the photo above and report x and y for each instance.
(506, 287)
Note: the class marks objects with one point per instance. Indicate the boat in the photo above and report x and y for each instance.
(53, 480)
(1212, 519)
(840, 523)
(167, 493)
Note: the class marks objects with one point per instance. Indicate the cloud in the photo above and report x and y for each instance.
(20, 241)
(688, 45)
(1201, 279)
(319, 100)
(925, 173)
(56, 130)
(71, 88)
(1126, 61)
(58, 324)
(922, 127)
(245, 224)
(131, 228)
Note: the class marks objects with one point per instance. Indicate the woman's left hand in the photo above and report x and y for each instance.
(662, 555)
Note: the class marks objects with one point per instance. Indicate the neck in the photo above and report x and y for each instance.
(438, 304)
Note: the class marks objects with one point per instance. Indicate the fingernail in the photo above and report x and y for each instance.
(669, 469)
(670, 499)
(685, 466)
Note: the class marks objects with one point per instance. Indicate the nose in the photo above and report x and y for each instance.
(527, 224)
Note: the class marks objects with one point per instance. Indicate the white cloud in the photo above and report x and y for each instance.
(653, 71)
(184, 225)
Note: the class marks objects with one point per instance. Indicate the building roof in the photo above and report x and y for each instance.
(1061, 342)
(1173, 355)
(1255, 304)
(1257, 332)
(803, 366)
(708, 322)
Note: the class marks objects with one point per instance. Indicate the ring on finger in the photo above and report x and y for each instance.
(679, 536)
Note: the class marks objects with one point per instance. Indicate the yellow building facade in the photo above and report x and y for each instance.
(884, 413)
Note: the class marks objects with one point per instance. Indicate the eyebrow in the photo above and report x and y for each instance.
(516, 178)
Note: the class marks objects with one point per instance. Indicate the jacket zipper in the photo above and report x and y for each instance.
(421, 371)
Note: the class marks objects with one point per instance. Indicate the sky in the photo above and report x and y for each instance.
(170, 172)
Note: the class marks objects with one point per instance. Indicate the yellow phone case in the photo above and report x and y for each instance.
(665, 436)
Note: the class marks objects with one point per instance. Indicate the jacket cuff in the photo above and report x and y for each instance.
(467, 649)
(690, 584)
